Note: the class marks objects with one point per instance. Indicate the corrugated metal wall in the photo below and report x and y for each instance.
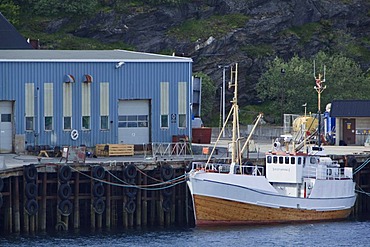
(134, 80)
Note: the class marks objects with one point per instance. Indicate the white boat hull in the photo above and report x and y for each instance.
(240, 199)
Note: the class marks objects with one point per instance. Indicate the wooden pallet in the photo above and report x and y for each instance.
(114, 150)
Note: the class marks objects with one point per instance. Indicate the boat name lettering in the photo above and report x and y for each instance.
(281, 169)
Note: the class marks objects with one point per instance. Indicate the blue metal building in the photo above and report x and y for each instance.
(70, 97)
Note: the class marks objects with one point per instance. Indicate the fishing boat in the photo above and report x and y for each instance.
(292, 186)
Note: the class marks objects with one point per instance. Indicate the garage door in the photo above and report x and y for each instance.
(6, 126)
(133, 121)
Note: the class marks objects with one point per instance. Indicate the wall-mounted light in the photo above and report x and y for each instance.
(119, 65)
(88, 78)
(69, 78)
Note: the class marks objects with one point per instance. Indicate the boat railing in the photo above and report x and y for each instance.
(225, 168)
(252, 170)
(328, 173)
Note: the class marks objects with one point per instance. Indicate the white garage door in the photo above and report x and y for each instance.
(133, 121)
(6, 126)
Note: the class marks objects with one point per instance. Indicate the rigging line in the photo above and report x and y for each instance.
(169, 182)
(361, 166)
(362, 191)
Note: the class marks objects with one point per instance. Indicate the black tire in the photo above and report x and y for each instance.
(65, 173)
(166, 172)
(1, 200)
(61, 226)
(30, 173)
(31, 190)
(98, 189)
(98, 172)
(167, 191)
(1, 184)
(130, 206)
(32, 207)
(167, 204)
(99, 205)
(130, 171)
(65, 207)
(65, 191)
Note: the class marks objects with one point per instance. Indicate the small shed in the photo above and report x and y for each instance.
(352, 121)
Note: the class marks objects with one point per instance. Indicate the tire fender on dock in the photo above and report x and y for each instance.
(30, 173)
(65, 191)
(32, 207)
(99, 205)
(130, 171)
(98, 172)
(166, 172)
(98, 189)
(65, 207)
(130, 206)
(65, 173)
(31, 190)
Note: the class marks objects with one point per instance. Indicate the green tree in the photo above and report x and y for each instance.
(10, 10)
(63, 8)
(208, 98)
(288, 85)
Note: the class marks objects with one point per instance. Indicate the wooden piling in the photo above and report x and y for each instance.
(108, 209)
(144, 208)
(17, 220)
(76, 202)
(43, 202)
(138, 202)
(160, 208)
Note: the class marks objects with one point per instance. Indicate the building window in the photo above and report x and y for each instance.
(86, 122)
(164, 121)
(48, 123)
(67, 123)
(29, 123)
(182, 120)
(181, 98)
(165, 106)
(6, 118)
(30, 106)
(133, 121)
(104, 122)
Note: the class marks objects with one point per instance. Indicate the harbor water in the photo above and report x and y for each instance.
(343, 233)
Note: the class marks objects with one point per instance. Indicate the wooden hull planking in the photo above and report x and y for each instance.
(215, 211)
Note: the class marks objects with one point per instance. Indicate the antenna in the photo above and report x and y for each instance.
(324, 74)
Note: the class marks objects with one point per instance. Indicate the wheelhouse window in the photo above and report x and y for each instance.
(281, 160)
(287, 160)
(292, 160)
(269, 159)
(274, 159)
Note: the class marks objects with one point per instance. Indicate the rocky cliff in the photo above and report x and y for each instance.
(272, 28)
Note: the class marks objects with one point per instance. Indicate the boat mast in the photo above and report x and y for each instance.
(234, 83)
(319, 89)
